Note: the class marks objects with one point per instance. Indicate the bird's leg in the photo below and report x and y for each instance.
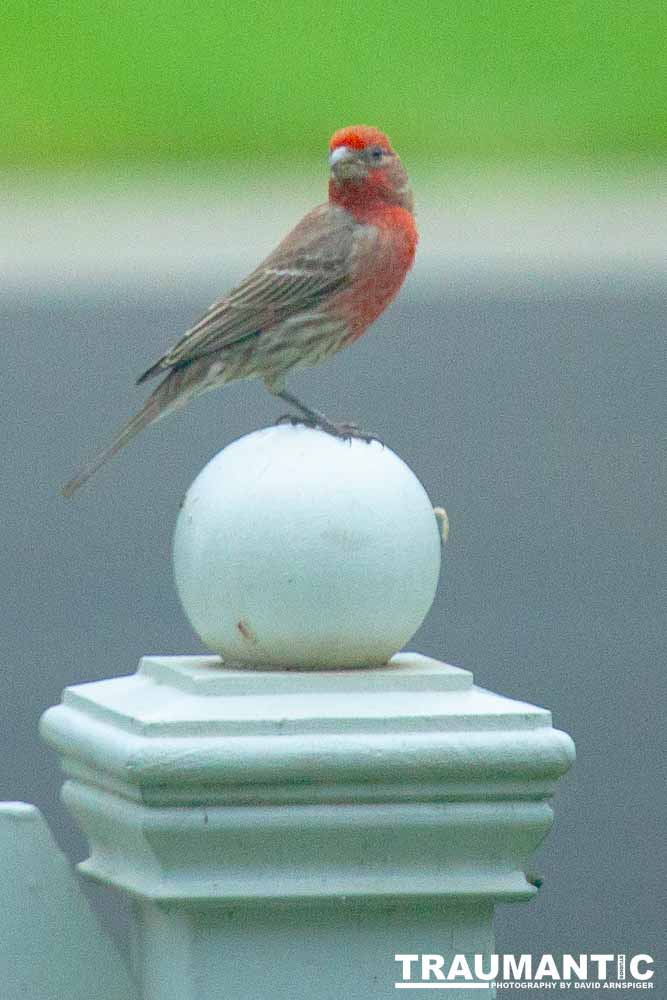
(314, 418)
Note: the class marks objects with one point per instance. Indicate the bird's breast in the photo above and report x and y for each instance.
(384, 253)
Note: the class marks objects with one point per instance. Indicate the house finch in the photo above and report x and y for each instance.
(318, 291)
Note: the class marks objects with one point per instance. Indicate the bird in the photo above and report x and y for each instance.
(320, 289)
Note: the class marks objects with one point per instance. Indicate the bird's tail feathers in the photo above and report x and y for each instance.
(165, 398)
(151, 372)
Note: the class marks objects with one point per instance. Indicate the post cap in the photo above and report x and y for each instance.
(297, 549)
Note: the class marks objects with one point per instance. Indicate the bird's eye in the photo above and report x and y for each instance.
(377, 153)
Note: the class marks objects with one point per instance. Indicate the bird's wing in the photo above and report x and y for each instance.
(310, 264)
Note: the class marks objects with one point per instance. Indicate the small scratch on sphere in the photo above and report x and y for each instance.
(244, 629)
(443, 522)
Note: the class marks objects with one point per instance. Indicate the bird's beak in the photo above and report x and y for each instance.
(346, 165)
(339, 155)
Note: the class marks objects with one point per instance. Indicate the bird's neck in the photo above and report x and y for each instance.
(366, 198)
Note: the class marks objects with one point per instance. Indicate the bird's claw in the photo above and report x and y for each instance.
(291, 418)
(349, 431)
(344, 431)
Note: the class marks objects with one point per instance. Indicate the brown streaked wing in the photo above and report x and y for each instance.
(311, 263)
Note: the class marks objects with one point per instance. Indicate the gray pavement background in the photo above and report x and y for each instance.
(529, 401)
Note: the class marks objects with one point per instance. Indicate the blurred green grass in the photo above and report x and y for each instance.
(90, 84)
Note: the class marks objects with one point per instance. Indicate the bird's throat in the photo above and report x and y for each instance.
(362, 198)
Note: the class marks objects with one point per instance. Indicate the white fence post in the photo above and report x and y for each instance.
(286, 832)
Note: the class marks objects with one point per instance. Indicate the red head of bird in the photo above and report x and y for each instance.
(365, 171)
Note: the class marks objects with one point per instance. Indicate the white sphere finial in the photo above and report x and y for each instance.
(297, 549)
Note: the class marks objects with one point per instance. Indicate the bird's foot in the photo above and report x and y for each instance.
(343, 430)
(291, 418)
(349, 431)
